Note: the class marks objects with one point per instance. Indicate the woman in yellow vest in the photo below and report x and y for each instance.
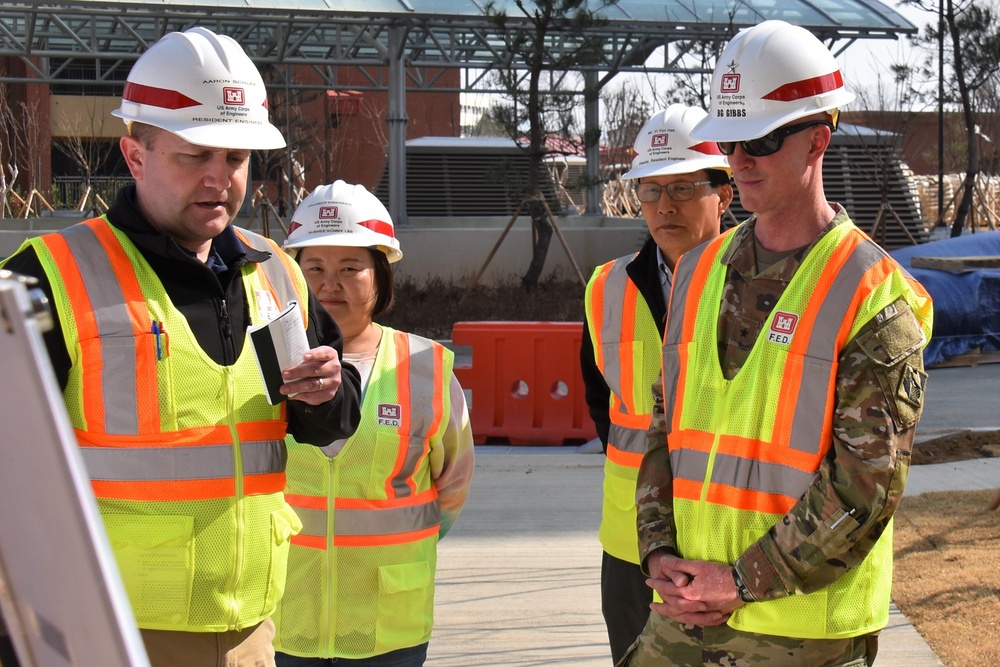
(360, 587)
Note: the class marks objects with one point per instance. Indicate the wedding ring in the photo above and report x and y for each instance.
(320, 387)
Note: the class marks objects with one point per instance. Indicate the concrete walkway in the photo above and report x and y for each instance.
(519, 576)
(518, 580)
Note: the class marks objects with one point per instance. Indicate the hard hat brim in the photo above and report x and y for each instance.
(357, 240)
(252, 136)
(681, 167)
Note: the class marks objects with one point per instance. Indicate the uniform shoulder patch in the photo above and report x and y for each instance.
(912, 383)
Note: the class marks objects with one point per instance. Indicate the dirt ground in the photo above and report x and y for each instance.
(957, 447)
(947, 569)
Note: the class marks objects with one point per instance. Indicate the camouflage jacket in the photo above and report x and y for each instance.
(877, 406)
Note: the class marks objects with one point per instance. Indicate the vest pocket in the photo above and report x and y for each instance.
(620, 491)
(405, 603)
(155, 556)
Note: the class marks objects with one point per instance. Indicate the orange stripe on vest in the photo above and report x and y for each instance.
(188, 489)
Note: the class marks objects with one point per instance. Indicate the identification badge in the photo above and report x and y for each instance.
(266, 306)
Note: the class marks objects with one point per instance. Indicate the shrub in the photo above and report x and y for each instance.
(433, 308)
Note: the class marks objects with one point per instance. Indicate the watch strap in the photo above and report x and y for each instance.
(741, 587)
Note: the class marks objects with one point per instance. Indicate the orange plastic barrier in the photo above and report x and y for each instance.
(525, 381)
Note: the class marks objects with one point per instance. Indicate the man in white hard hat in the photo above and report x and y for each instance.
(792, 382)
(186, 455)
(683, 188)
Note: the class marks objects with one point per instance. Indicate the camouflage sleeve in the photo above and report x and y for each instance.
(832, 528)
(654, 486)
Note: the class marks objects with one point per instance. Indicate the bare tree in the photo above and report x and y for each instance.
(693, 86)
(8, 151)
(541, 104)
(625, 112)
(889, 106)
(286, 168)
(25, 144)
(89, 152)
(971, 31)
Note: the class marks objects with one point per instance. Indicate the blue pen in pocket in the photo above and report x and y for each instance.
(156, 332)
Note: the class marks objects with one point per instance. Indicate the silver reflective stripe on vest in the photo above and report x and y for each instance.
(421, 404)
(683, 274)
(740, 473)
(152, 464)
(274, 269)
(371, 522)
(808, 422)
(114, 328)
(625, 439)
(614, 312)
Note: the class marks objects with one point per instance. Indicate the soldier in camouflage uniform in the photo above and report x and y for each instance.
(832, 527)
(683, 186)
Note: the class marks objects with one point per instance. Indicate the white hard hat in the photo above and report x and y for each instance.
(664, 145)
(767, 76)
(202, 87)
(341, 214)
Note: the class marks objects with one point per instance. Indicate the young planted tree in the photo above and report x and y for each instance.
(8, 150)
(626, 110)
(890, 102)
(84, 144)
(547, 39)
(306, 147)
(970, 30)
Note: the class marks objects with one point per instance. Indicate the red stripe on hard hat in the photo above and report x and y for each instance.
(807, 87)
(707, 147)
(157, 97)
(379, 227)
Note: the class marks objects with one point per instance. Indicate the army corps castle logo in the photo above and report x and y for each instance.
(389, 414)
(233, 97)
(328, 213)
(659, 140)
(730, 80)
(782, 327)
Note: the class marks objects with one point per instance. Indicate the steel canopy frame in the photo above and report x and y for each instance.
(400, 44)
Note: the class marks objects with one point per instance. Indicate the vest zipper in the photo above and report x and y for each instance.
(228, 344)
(333, 479)
(239, 527)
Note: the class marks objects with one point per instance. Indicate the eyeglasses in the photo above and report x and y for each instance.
(771, 142)
(678, 190)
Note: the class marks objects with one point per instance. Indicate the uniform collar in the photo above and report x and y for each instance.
(741, 257)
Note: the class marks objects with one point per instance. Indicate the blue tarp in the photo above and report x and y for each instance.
(966, 304)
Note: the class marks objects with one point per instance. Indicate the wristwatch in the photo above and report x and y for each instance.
(741, 587)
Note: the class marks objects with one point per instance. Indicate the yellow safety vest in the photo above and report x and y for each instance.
(361, 573)
(627, 352)
(186, 457)
(743, 451)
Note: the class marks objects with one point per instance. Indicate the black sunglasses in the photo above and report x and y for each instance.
(771, 142)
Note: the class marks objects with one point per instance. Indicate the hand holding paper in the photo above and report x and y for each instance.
(287, 366)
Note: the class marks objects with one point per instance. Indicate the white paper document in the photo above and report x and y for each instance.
(278, 345)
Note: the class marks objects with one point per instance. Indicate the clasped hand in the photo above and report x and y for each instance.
(693, 592)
